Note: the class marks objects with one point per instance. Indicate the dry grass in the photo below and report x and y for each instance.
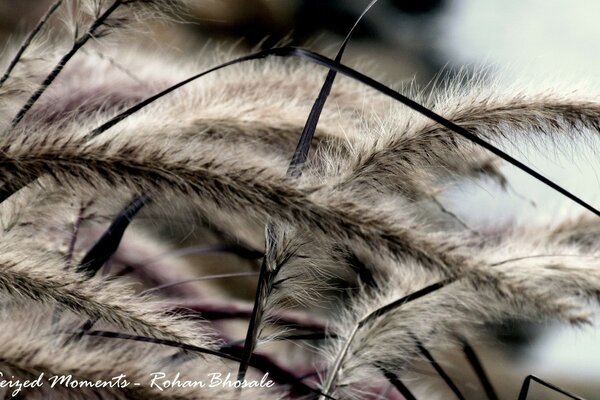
(364, 270)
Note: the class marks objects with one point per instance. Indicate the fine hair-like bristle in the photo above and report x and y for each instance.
(134, 189)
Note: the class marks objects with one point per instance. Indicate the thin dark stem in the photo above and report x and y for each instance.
(15, 60)
(479, 370)
(351, 73)
(74, 235)
(523, 394)
(109, 242)
(85, 327)
(79, 43)
(265, 279)
(406, 299)
(452, 215)
(332, 375)
(438, 368)
(301, 153)
(137, 107)
(116, 65)
(319, 59)
(537, 256)
(398, 384)
(166, 342)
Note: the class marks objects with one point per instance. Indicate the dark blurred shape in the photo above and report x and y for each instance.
(334, 16)
(264, 22)
(418, 6)
(516, 335)
(18, 16)
(255, 20)
(267, 23)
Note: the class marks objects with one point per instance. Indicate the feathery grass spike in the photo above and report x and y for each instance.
(266, 278)
(329, 384)
(325, 222)
(263, 287)
(79, 43)
(25, 45)
(340, 68)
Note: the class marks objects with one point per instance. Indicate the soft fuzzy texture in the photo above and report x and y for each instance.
(340, 245)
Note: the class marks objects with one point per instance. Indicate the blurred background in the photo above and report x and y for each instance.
(407, 38)
(401, 40)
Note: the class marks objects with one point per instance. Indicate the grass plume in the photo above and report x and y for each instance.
(305, 238)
